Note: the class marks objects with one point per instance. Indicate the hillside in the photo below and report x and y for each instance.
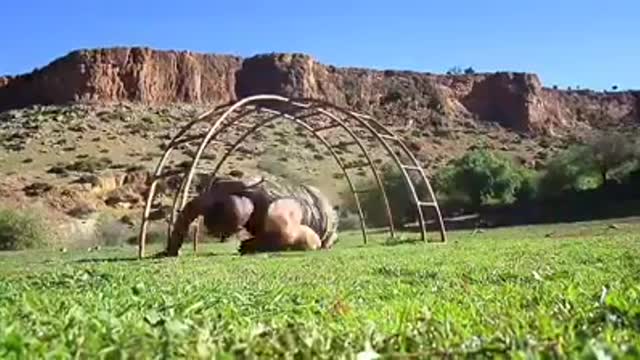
(79, 135)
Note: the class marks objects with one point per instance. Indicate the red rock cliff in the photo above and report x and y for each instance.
(515, 100)
(131, 74)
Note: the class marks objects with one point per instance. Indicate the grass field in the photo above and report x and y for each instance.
(543, 292)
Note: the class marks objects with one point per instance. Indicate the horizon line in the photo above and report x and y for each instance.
(73, 51)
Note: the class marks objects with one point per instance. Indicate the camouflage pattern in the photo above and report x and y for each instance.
(318, 214)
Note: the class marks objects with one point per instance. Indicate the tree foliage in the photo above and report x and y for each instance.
(607, 153)
(482, 176)
(564, 172)
(589, 165)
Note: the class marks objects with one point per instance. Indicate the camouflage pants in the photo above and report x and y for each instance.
(317, 212)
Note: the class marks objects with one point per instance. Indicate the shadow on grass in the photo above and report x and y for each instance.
(276, 254)
(401, 241)
(152, 257)
(107, 260)
(215, 254)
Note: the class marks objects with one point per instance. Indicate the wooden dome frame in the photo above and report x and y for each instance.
(305, 113)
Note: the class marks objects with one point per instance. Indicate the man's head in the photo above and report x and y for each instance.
(227, 216)
(225, 208)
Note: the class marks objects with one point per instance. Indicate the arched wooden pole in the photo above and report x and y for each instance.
(436, 206)
(212, 131)
(180, 200)
(298, 121)
(335, 156)
(157, 175)
(241, 139)
(381, 134)
(364, 120)
(342, 166)
(385, 198)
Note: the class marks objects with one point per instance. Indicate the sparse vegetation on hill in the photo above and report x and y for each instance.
(53, 150)
(69, 156)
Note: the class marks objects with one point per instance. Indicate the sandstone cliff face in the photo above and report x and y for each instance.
(515, 100)
(123, 74)
(594, 109)
(510, 99)
(390, 95)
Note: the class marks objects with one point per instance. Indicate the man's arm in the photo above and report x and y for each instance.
(189, 213)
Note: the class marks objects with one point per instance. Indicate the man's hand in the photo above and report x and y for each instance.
(164, 254)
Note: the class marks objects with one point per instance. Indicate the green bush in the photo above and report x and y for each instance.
(21, 230)
(634, 177)
(479, 177)
(609, 154)
(601, 159)
(529, 186)
(482, 177)
(568, 171)
(110, 231)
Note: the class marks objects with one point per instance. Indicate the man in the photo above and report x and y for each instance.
(279, 215)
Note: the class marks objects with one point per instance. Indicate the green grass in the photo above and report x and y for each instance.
(542, 292)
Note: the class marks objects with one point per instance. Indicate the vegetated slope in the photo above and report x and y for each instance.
(81, 160)
(112, 110)
(548, 291)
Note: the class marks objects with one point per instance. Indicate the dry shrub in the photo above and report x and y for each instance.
(110, 231)
(22, 229)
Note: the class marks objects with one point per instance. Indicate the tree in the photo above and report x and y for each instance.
(482, 176)
(609, 152)
(456, 70)
(22, 229)
(528, 188)
(583, 166)
(564, 172)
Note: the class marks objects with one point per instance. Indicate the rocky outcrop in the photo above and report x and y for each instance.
(295, 75)
(507, 98)
(125, 74)
(514, 100)
(593, 109)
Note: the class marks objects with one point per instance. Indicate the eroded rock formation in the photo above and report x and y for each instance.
(515, 100)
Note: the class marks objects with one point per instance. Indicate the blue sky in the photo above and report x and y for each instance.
(591, 44)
